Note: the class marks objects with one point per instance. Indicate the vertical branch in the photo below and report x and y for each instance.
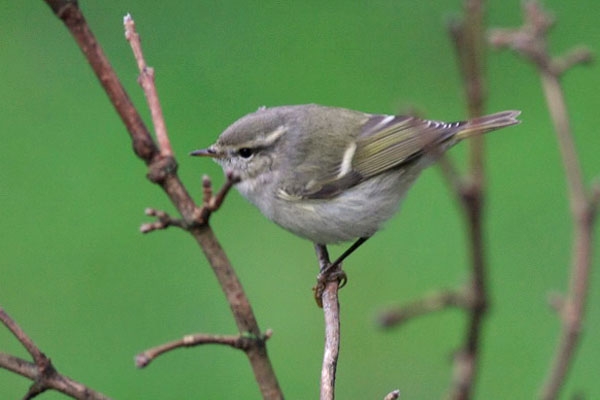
(146, 80)
(530, 41)
(558, 112)
(331, 313)
(468, 36)
(583, 215)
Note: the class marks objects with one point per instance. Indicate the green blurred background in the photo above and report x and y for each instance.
(92, 291)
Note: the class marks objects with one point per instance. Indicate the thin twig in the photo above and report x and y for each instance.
(241, 342)
(583, 213)
(163, 171)
(22, 337)
(436, 302)
(164, 221)
(146, 80)
(211, 202)
(468, 37)
(41, 372)
(530, 41)
(331, 313)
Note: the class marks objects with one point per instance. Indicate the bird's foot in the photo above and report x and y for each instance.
(332, 273)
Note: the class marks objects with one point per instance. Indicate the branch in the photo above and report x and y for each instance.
(210, 204)
(436, 302)
(467, 35)
(331, 312)
(41, 371)
(146, 80)
(236, 341)
(164, 221)
(530, 41)
(162, 170)
(468, 38)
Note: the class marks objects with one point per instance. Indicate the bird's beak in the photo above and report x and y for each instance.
(209, 152)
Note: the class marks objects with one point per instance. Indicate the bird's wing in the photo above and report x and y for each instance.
(391, 141)
(385, 142)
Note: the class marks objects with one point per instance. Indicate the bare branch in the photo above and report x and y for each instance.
(530, 41)
(70, 14)
(146, 80)
(331, 312)
(467, 35)
(576, 56)
(468, 38)
(164, 221)
(436, 302)
(242, 342)
(22, 337)
(41, 372)
(327, 292)
(241, 309)
(210, 202)
(162, 170)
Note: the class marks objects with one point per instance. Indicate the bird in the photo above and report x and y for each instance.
(333, 175)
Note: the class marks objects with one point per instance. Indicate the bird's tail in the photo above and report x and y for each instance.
(487, 123)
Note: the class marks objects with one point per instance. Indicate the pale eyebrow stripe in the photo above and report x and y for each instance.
(276, 134)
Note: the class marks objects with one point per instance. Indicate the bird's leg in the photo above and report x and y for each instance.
(329, 271)
(322, 256)
(349, 251)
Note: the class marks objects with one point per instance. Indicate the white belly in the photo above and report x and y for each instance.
(358, 212)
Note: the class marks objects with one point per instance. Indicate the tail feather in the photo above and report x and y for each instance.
(487, 123)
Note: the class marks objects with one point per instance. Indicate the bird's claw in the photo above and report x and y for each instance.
(327, 275)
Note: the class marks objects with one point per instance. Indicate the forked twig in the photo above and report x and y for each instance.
(468, 37)
(162, 170)
(211, 202)
(164, 221)
(530, 41)
(41, 372)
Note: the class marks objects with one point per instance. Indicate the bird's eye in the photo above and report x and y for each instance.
(245, 152)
